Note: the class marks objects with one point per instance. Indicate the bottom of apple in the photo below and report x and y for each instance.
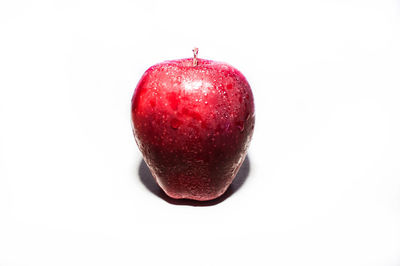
(194, 197)
(194, 188)
(186, 179)
(180, 182)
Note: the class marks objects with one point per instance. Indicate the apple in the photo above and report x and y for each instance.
(193, 120)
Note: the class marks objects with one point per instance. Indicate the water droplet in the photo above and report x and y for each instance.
(240, 125)
(175, 123)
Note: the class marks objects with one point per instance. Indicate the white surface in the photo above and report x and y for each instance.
(324, 181)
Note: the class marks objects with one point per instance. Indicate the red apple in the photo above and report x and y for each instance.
(193, 120)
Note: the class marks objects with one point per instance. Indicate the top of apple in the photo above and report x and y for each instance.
(191, 62)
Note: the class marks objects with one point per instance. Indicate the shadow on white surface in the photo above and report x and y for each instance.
(148, 181)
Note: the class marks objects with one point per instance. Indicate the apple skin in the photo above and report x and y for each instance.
(193, 125)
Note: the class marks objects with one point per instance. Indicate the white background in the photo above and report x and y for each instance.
(323, 186)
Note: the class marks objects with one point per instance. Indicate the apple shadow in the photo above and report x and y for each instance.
(148, 181)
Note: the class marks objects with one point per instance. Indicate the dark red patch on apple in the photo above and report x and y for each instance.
(173, 100)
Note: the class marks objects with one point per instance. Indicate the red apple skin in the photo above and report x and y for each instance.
(193, 125)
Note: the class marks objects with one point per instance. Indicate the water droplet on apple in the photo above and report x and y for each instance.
(240, 125)
(175, 123)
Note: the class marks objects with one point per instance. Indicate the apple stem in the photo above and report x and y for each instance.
(195, 52)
